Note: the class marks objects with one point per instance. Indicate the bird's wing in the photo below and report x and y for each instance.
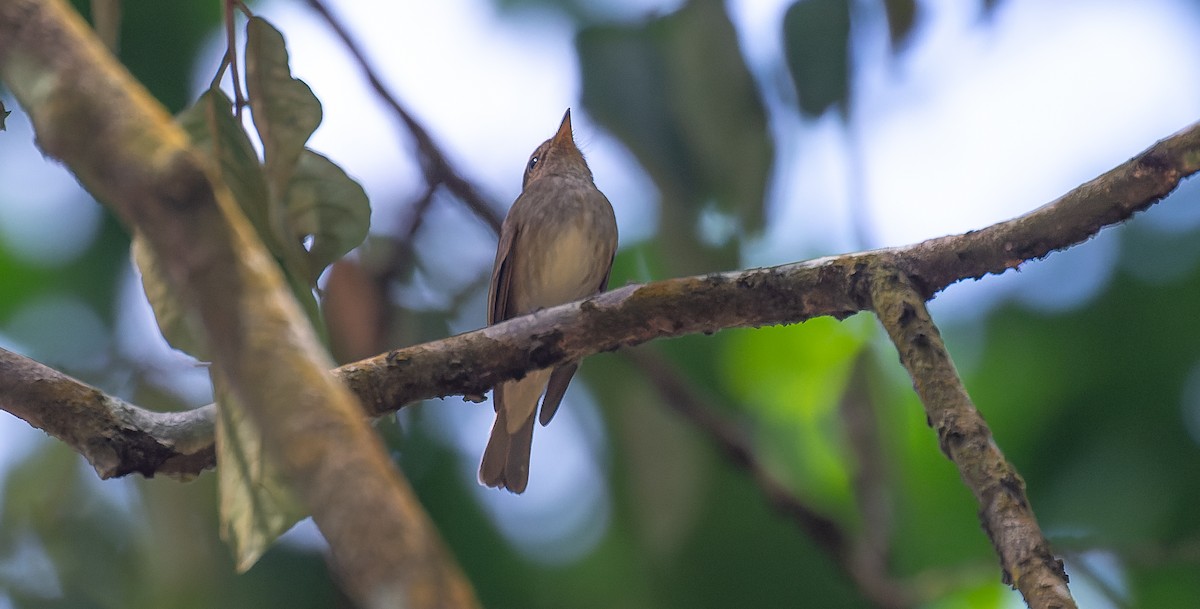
(499, 289)
(555, 389)
(498, 293)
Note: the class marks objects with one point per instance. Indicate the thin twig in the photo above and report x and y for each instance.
(401, 258)
(871, 474)
(679, 395)
(437, 168)
(1109, 199)
(239, 100)
(402, 246)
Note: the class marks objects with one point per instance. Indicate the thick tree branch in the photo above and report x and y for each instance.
(117, 438)
(839, 286)
(965, 438)
(90, 113)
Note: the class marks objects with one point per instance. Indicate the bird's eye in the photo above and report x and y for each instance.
(533, 161)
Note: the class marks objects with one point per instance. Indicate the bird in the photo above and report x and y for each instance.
(556, 245)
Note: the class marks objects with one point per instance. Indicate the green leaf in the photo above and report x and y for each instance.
(285, 114)
(326, 204)
(215, 130)
(178, 325)
(816, 36)
(256, 505)
(719, 109)
(677, 92)
(285, 110)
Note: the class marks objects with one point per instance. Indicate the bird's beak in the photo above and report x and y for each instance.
(564, 136)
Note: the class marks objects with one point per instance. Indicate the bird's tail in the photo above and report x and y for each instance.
(506, 459)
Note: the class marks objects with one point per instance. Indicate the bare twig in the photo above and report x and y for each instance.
(402, 246)
(401, 259)
(239, 100)
(965, 438)
(685, 401)
(871, 579)
(870, 477)
(437, 168)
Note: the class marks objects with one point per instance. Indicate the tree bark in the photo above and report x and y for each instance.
(123, 146)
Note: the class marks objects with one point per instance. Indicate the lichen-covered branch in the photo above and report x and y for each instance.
(965, 438)
(469, 364)
(123, 146)
(117, 438)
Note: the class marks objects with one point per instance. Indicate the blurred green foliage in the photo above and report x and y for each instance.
(1097, 406)
(677, 91)
(817, 35)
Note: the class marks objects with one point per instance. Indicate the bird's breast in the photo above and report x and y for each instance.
(565, 238)
(569, 266)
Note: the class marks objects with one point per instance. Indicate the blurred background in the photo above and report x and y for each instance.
(727, 135)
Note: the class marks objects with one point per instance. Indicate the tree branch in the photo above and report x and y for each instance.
(138, 161)
(471, 363)
(117, 438)
(966, 440)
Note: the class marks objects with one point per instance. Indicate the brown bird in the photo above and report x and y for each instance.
(556, 246)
